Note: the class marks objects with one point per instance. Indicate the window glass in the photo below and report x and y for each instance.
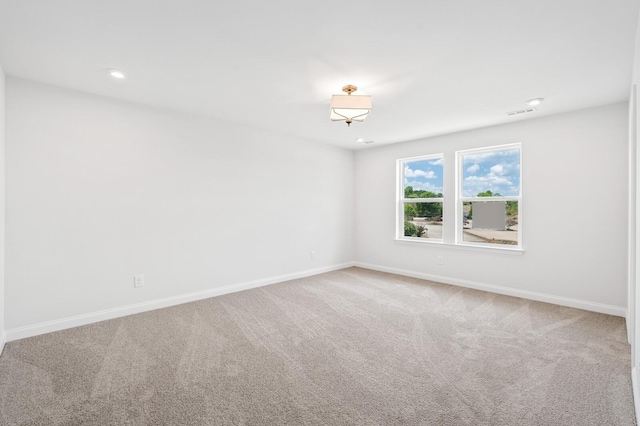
(489, 196)
(423, 220)
(494, 173)
(420, 198)
(423, 178)
(490, 222)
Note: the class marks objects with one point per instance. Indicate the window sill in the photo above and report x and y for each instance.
(467, 247)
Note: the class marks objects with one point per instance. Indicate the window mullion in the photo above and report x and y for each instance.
(422, 200)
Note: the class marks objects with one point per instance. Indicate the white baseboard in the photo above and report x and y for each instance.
(107, 314)
(618, 311)
(89, 318)
(636, 393)
(3, 340)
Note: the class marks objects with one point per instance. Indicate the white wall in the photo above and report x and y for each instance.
(99, 190)
(2, 139)
(633, 317)
(574, 211)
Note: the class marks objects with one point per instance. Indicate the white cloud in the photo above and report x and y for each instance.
(437, 162)
(490, 178)
(492, 156)
(473, 168)
(480, 158)
(500, 184)
(502, 175)
(498, 169)
(422, 186)
(429, 174)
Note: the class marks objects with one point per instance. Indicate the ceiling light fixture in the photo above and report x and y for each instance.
(350, 108)
(117, 74)
(535, 101)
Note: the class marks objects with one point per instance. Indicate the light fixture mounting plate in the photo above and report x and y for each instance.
(349, 89)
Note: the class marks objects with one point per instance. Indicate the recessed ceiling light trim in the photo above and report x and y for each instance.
(118, 74)
(535, 101)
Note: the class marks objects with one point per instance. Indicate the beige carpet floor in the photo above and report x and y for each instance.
(351, 347)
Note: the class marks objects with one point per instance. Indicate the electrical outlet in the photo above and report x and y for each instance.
(138, 281)
(439, 260)
(313, 255)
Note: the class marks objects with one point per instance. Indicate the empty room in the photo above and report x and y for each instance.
(319, 213)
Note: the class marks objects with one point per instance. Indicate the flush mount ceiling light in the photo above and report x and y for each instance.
(535, 101)
(117, 74)
(350, 108)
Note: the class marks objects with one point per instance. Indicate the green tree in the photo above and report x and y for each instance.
(421, 209)
(488, 193)
(469, 214)
(409, 212)
(429, 209)
(410, 229)
(408, 192)
(426, 194)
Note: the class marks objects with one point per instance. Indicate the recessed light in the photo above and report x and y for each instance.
(117, 74)
(364, 141)
(535, 101)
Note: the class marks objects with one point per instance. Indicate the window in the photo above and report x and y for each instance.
(489, 196)
(486, 210)
(420, 189)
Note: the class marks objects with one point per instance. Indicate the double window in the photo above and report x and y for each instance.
(487, 202)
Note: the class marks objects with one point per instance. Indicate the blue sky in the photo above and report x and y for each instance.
(424, 175)
(495, 171)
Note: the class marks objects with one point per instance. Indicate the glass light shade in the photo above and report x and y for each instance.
(350, 107)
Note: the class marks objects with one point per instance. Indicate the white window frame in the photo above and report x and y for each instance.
(460, 199)
(400, 163)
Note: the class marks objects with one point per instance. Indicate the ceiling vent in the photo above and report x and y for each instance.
(521, 111)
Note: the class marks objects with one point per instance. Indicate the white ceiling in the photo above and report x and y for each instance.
(431, 66)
